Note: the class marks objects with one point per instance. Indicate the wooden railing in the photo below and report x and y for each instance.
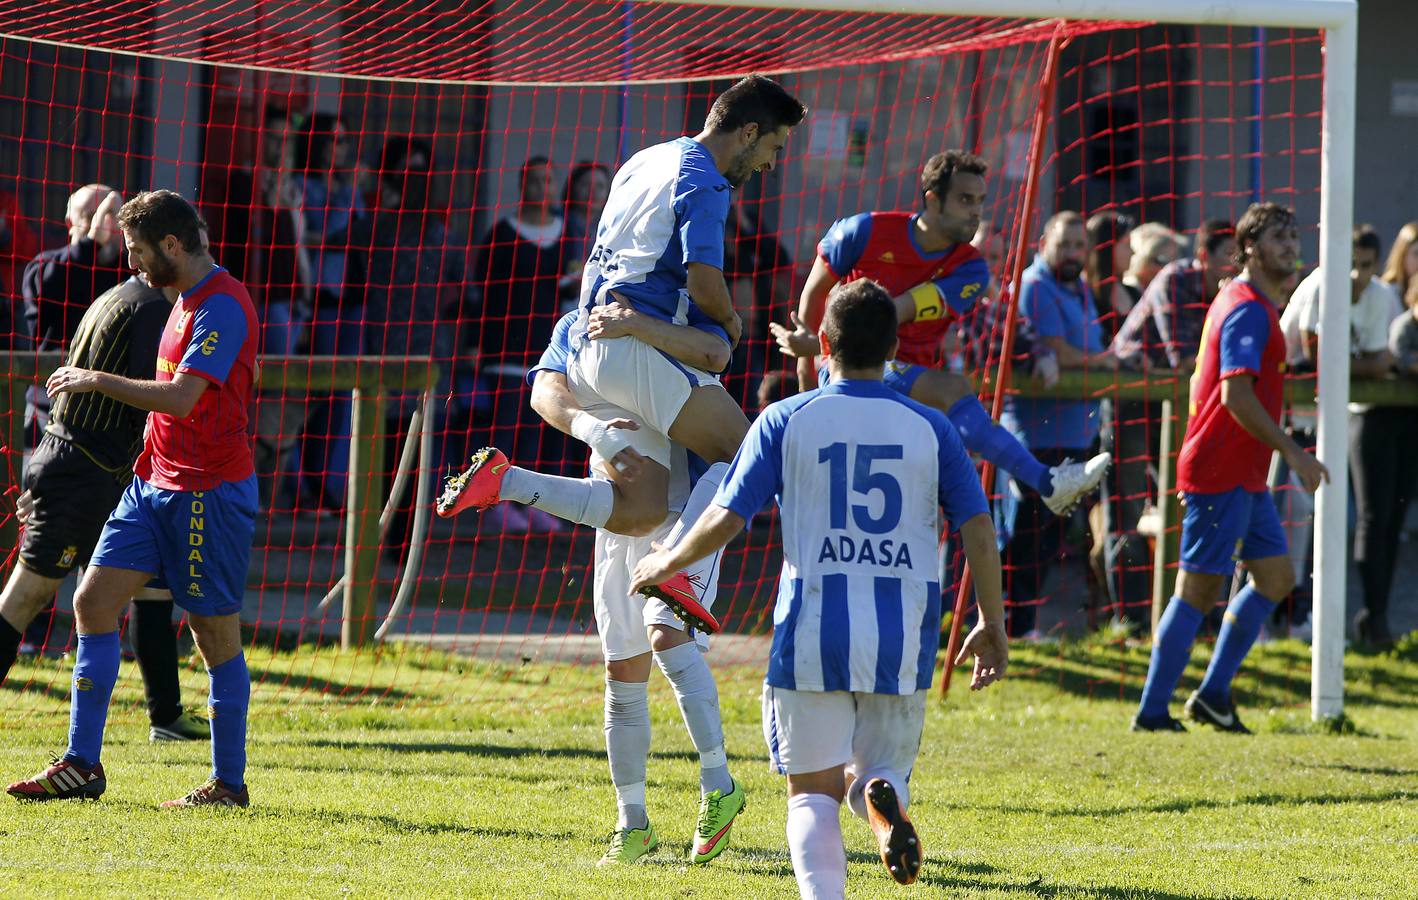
(367, 378)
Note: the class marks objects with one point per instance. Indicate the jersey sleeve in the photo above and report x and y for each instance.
(1243, 337)
(756, 474)
(218, 333)
(961, 288)
(703, 211)
(961, 496)
(558, 352)
(842, 247)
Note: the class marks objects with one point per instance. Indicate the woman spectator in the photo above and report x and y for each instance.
(322, 192)
(1109, 255)
(1383, 474)
(1153, 246)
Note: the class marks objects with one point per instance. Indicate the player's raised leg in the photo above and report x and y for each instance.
(885, 741)
(100, 599)
(1060, 486)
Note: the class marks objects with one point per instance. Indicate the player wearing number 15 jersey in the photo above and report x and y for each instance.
(856, 627)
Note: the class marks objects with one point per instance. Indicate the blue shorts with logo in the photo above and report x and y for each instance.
(196, 543)
(1219, 529)
(898, 376)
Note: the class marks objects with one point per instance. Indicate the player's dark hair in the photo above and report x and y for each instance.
(1253, 224)
(1213, 233)
(860, 324)
(939, 169)
(1366, 238)
(755, 100)
(153, 215)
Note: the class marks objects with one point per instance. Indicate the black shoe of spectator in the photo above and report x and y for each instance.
(1209, 712)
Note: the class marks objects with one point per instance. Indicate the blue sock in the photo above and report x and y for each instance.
(95, 671)
(1171, 650)
(231, 693)
(985, 436)
(1239, 630)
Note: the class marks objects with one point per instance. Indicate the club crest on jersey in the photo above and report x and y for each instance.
(885, 552)
(66, 559)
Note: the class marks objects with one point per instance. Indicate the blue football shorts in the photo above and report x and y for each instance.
(196, 543)
(1219, 529)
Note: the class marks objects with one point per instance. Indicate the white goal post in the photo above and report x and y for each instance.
(1338, 19)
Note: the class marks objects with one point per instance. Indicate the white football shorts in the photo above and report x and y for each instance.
(625, 376)
(622, 617)
(808, 731)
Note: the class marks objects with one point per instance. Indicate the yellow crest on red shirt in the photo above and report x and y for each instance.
(182, 321)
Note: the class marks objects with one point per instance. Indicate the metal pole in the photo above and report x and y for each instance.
(1331, 506)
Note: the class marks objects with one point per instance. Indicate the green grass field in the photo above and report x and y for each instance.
(481, 780)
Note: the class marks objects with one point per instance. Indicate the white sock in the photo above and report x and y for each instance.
(584, 501)
(815, 843)
(628, 747)
(698, 697)
(857, 793)
(703, 573)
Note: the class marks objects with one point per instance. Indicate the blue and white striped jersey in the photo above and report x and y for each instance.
(667, 208)
(861, 474)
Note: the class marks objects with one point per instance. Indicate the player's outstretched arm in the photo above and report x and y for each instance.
(1238, 395)
(812, 304)
(714, 529)
(691, 346)
(177, 397)
(987, 641)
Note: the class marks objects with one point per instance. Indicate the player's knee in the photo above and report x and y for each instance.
(1275, 584)
(940, 389)
(630, 671)
(664, 637)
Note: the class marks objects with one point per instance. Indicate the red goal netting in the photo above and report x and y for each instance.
(412, 183)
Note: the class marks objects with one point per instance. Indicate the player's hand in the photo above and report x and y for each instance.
(990, 647)
(1309, 470)
(612, 320)
(733, 328)
(629, 464)
(653, 569)
(72, 380)
(797, 341)
(24, 507)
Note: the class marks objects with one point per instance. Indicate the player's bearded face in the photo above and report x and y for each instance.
(761, 154)
(153, 265)
(1277, 251)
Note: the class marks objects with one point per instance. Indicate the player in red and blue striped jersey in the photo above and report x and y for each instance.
(1237, 393)
(925, 261)
(186, 521)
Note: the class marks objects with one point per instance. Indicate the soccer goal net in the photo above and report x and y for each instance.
(406, 190)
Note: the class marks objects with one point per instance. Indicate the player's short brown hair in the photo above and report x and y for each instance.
(860, 324)
(755, 100)
(939, 169)
(153, 215)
